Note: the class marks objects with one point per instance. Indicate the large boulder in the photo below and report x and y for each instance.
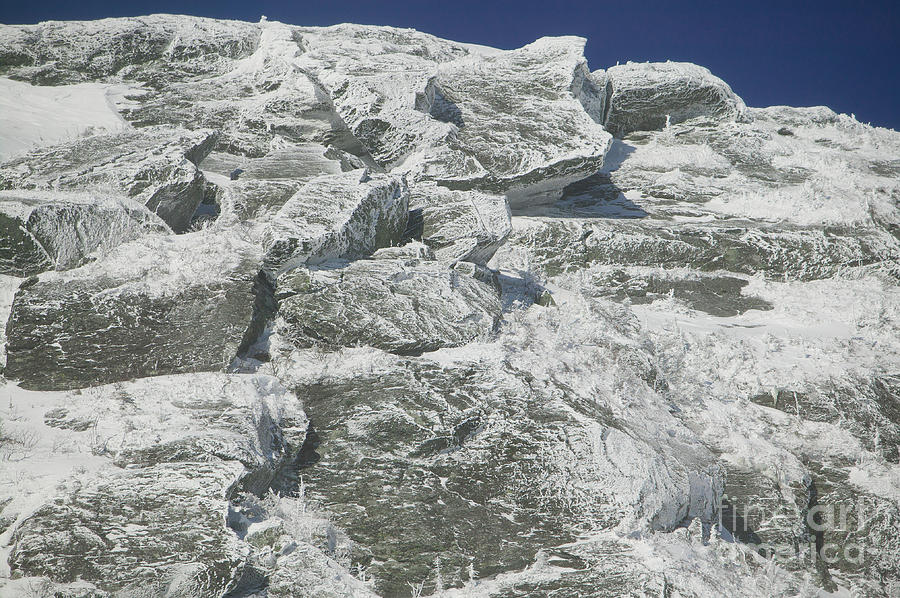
(337, 216)
(405, 306)
(155, 166)
(53, 230)
(179, 418)
(150, 509)
(459, 225)
(521, 124)
(465, 465)
(646, 96)
(161, 526)
(158, 305)
(808, 253)
(499, 121)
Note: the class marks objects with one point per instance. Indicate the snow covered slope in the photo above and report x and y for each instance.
(295, 311)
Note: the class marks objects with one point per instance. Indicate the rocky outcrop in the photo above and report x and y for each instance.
(405, 306)
(154, 166)
(184, 446)
(523, 130)
(158, 305)
(51, 230)
(154, 49)
(647, 96)
(805, 253)
(338, 216)
(180, 418)
(503, 122)
(153, 528)
(458, 225)
(528, 352)
(497, 464)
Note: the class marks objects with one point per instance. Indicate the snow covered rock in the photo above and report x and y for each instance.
(155, 166)
(399, 305)
(157, 305)
(804, 253)
(180, 418)
(337, 216)
(258, 187)
(56, 230)
(160, 528)
(155, 49)
(522, 127)
(159, 517)
(647, 96)
(502, 122)
(476, 464)
(458, 225)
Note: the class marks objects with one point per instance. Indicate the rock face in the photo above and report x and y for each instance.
(507, 463)
(60, 231)
(159, 305)
(553, 332)
(158, 525)
(459, 225)
(262, 420)
(85, 534)
(522, 130)
(154, 166)
(503, 122)
(402, 306)
(647, 96)
(155, 49)
(340, 216)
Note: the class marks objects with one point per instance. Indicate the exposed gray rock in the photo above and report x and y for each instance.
(161, 523)
(459, 225)
(481, 465)
(338, 216)
(158, 305)
(58, 230)
(155, 166)
(161, 526)
(806, 253)
(397, 305)
(647, 96)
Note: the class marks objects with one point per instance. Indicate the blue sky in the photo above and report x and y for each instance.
(841, 54)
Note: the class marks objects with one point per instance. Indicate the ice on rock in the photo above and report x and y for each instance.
(647, 96)
(532, 358)
(337, 216)
(184, 447)
(458, 225)
(156, 48)
(405, 306)
(110, 530)
(522, 127)
(505, 122)
(59, 230)
(264, 421)
(157, 305)
(156, 166)
(481, 464)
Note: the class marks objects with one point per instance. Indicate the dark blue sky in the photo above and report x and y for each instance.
(841, 54)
